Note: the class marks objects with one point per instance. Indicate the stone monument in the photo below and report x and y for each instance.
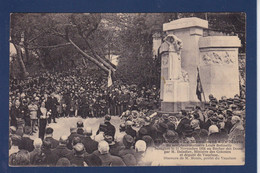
(174, 80)
(215, 56)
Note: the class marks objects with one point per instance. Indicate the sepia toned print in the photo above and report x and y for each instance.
(127, 89)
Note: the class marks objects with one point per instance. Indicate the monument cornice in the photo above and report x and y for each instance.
(185, 23)
(219, 42)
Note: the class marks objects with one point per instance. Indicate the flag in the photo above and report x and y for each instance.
(199, 86)
(109, 80)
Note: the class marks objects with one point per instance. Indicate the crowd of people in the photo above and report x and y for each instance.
(40, 100)
(143, 129)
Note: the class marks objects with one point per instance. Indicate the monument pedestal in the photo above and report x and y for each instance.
(219, 69)
(175, 96)
(173, 107)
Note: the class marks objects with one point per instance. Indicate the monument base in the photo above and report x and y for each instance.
(173, 106)
(176, 107)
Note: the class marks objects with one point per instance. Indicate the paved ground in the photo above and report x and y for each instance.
(62, 127)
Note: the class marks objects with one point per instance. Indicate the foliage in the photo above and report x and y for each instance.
(47, 38)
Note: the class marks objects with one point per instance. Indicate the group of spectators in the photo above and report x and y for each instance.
(40, 100)
(217, 121)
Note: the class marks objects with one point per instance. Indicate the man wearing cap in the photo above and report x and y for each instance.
(33, 108)
(170, 137)
(114, 146)
(127, 153)
(121, 134)
(80, 125)
(110, 129)
(149, 128)
(51, 106)
(187, 134)
(49, 137)
(184, 120)
(22, 157)
(90, 144)
(25, 112)
(129, 129)
(61, 150)
(15, 113)
(77, 158)
(73, 134)
(46, 149)
(160, 130)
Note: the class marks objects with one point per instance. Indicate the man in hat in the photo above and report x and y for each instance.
(170, 137)
(228, 124)
(127, 153)
(80, 127)
(51, 106)
(61, 150)
(26, 142)
(129, 129)
(121, 134)
(15, 113)
(114, 147)
(49, 137)
(128, 142)
(160, 130)
(46, 149)
(77, 159)
(25, 112)
(20, 158)
(90, 144)
(33, 109)
(187, 134)
(73, 134)
(184, 120)
(109, 128)
(149, 126)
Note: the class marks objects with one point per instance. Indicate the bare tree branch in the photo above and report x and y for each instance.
(47, 47)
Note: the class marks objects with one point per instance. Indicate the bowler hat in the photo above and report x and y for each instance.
(107, 117)
(80, 124)
(49, 130)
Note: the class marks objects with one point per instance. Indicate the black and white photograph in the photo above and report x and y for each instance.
(127, 89)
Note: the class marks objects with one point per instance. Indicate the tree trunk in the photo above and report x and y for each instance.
(89, 57)
(19, 56)
(40, 59)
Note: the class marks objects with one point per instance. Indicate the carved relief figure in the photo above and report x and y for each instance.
(218, 58)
